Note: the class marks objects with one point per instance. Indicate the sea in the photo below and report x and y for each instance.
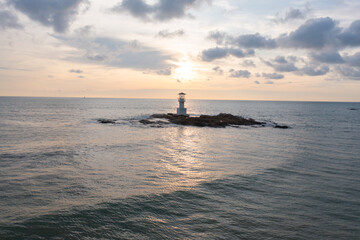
(64, 175)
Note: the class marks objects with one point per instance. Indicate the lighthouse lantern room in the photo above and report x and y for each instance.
(181, 109)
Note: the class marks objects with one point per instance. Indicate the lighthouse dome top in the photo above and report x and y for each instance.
(182, 93)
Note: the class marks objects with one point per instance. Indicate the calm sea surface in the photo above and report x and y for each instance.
(63, 175)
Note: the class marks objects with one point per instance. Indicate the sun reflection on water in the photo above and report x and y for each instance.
(185, 157)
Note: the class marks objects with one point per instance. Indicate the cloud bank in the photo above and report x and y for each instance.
(113, 52)
(322, 38)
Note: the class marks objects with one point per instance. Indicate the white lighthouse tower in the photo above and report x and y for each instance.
(181, 109)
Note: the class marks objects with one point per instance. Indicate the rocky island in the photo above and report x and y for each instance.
(182, 118)
(218, 121)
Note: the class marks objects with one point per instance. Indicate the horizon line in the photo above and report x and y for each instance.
(253, 100)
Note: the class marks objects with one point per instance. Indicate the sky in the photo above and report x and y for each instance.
(291, 50)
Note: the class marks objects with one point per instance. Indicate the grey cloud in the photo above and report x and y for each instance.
(256, 82)
(168, 9)
(311, 70)
(137, 8)
(9, 20)
(218, 70)
(272, 76)
(353, 60)
(164, 72)
(162, 10)
(327, 57)
(57, 14)
(169, 34)
(314, 33)
(293, 13)
(248, 63)
(350, 72)
(218, 53)
(282, 64)
(214, 53)
(254, 41)
(114, 52)
(240, 53)
(351, 35)
(239, 73)
(96, 58)
(76, 71)
(217, 36)
(269, 82)
(280, 59)
(85, 30)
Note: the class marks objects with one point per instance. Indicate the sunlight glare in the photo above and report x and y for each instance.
(184, 71)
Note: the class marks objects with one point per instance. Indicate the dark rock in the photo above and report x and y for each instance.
(106, 121)
(281, 126)
(219, 121)
(353, 109)
(145, 121)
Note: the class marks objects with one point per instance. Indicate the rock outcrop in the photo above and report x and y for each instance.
(106, 121)
(218, 121)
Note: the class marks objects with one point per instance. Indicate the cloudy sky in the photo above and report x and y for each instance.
(211, 49)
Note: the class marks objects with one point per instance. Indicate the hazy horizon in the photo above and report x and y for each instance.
(205, 99)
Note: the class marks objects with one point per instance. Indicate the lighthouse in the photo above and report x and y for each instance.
(181, 109)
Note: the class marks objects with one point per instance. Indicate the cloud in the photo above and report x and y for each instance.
(217, 36)
(164, 72)
(137, 8)
(218, 70)
(248, 63)
(57, 14)
(256, 82)
(97, 57)
(218, 53)
(272, 76)
(351, 35)
(311, 70)
(241, 53)
(214, 53)
(85, 30)
(114, 52)
(9, 20)
(168, 34)
(353, 60)
(282, 64)
(162, 10)
(350, 72)
(76, 71)
(327, 57)
(254, 41)
(313, 34)
(239, 73)
(293, 13)
(269, 82)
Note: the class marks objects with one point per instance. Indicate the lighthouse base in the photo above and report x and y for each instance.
(181, 111)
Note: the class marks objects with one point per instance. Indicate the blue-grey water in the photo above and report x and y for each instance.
(63, 175)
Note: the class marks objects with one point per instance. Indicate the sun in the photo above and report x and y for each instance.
(185, 71)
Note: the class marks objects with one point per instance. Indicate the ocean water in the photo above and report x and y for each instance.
(63, 175)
